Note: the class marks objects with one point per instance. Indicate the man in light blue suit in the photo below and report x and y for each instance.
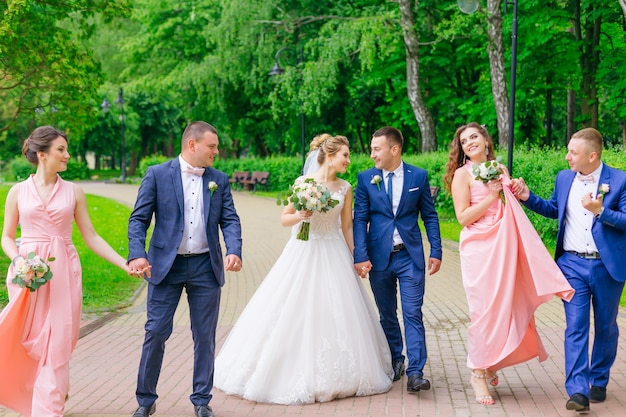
(389, 199)
(191, 202)
(589, 201)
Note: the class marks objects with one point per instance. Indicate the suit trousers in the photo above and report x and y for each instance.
(403, 271)
(195, 274)
(594, 288)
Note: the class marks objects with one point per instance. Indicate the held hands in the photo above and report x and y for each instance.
(232, 263)
(520, 189)
(363, 268)
(139, 268)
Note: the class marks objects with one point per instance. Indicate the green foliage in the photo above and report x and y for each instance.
(76, 170)
(19, 169)
(149, 161)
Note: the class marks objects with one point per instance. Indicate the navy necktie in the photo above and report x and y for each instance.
(390, 187)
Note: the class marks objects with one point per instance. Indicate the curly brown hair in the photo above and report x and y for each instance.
(456, 157)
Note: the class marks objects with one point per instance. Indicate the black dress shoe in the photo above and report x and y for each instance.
(597, 394)
(145, 411)
(578, 402)
(203, 411)
(398, 370)
(417, 383)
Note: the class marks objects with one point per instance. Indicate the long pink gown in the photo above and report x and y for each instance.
(39, 330)
(507, 274)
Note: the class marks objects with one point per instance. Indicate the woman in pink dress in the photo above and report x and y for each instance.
(39, 330)
(507, 272)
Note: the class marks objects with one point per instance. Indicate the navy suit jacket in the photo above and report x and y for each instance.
(374, 221)
(609, 231)
(161, 194)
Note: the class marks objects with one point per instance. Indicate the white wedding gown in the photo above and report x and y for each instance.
(310, 332)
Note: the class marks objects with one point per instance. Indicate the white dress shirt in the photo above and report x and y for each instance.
(194, 239)
(397, 183)
(577, 235)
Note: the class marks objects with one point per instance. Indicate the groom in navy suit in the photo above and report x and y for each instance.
(191, 202)
(388, 244)
(589, 201)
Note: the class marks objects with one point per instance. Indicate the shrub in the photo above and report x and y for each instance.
(148, 161)
(19, 169)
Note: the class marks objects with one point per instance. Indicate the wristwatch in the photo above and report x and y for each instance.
(599, 213)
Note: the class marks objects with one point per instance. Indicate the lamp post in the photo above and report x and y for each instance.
(278, 70)
(105, 107)
(470, 6)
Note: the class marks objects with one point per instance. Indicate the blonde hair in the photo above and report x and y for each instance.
(327, 145)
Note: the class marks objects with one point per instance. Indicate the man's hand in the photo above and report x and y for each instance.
(433, 265)
(232, 263)
(520, 189)
(139, 267)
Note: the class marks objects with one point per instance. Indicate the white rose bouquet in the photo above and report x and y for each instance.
(306, 194)
(32, 272)
(487, 171)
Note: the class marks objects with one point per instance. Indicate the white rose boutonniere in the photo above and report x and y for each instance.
(603, 189)
(212, 187)
(376, 179)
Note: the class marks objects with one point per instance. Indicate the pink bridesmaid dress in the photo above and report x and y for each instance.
(507, 274)
(39, 330)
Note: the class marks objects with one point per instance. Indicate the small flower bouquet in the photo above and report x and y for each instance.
(212, 186)
(32, 272)
(603, 189)
(487, 171)
(306, 194)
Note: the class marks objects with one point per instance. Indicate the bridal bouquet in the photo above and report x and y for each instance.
(306, 194)
(32, 272)
(487, 171)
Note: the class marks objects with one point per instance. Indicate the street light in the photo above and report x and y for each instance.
(278, 70)
(470, 6)
(105, 107)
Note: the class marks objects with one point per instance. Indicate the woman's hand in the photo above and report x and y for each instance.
(304, 215)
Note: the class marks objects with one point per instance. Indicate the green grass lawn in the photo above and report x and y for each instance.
(105, 287)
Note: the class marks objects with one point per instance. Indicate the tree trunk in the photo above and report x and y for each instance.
(588, 37)
(571, 114)
(548, 120)
(411, 44)
(495, 49)
(623, 4)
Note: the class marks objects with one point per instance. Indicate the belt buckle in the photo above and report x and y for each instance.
(397, 248)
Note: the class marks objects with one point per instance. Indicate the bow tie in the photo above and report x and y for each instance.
(585, 178)
(194, 171)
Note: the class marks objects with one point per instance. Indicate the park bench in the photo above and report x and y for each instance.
(237, 179)
(258, 178)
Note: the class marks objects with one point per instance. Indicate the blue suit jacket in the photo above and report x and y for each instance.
(609, 231)
(161, 194)
(374, 220)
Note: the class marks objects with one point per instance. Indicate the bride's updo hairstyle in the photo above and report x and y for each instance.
(40, 141)
(328, 145)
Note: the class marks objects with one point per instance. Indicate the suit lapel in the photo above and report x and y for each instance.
(206, 195)
(564, 194)
(178, 184)
(406, 182)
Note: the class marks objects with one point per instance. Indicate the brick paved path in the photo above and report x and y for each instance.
(104, 365)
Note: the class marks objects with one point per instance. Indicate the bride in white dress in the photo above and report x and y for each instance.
(310, 332)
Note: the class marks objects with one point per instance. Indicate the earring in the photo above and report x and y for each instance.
(487, 151)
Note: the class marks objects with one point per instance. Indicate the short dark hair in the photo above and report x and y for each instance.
(40, 140)
(592, 137)
(196, 130)
(393, 135)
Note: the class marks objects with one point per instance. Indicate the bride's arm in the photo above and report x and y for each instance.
(346, 220)
(290, 216)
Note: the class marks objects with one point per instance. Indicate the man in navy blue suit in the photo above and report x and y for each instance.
(191, 202)
(389, 199)
(589, 201)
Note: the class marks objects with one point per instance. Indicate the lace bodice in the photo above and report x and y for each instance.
(327, 225)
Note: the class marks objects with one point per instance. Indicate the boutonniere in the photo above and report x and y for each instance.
(212, 187)
(603, 189)
(376, 179)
